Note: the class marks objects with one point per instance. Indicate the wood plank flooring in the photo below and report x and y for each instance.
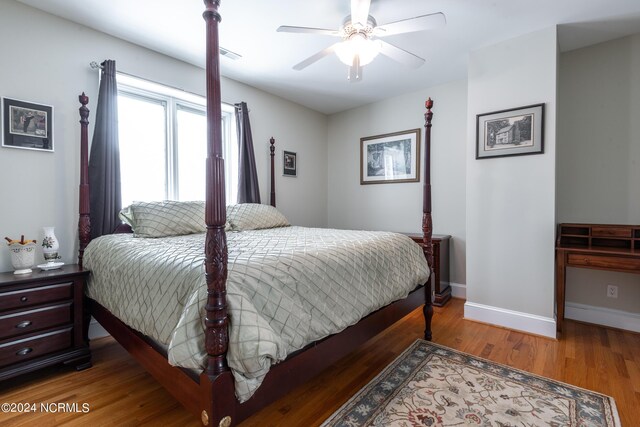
(120, 393)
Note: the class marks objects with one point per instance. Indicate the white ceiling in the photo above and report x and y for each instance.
(176, 28)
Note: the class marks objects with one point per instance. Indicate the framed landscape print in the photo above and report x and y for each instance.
(289, 163)
(514, 132)
(393, 157)
(27, 125)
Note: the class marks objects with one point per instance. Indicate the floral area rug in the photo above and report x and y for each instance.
(431, 385)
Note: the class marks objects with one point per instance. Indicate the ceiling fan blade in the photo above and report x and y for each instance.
(360, 11)
(419, 23)
(355, 70)
(318, 56)
(307, 30)
(400, 55)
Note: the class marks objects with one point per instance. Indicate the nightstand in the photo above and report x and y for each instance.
(440, 277)
(41, 320)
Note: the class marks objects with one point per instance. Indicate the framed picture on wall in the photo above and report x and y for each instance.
(392, 157)
(27, 125)
(289, 163)
(513, 132)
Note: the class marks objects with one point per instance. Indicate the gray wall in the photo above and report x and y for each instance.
(398, 207)
(599, 156)
(40, 189)
(511, 200)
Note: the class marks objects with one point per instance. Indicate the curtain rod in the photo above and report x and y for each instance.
(238, 107)
(96, 66)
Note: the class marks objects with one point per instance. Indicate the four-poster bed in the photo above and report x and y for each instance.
(211, 393)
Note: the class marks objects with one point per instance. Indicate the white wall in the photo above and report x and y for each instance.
(398, 207)
(40, 189)
(511, 200)
(599, 157)
(302, 199)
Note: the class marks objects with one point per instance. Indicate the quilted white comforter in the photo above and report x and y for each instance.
(286, 287)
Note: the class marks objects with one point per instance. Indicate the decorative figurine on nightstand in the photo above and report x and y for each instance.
(50, 248)
(22, 254)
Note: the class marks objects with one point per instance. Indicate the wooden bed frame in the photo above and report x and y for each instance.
(211, 395)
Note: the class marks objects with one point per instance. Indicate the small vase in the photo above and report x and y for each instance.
(22, 257)
(50, 245)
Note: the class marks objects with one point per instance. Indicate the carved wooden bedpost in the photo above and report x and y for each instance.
(84, 222)
(272, 150)
(218, 409)
(427, 222)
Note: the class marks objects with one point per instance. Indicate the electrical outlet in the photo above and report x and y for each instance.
(612, 291)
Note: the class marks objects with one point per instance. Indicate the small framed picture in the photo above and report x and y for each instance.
(393, 157)
(27, 125)
(289, 163)
(514, 132)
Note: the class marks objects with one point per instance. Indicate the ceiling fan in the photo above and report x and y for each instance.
(361, 41)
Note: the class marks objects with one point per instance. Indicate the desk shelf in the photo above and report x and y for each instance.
(594, 236)
(610, 247)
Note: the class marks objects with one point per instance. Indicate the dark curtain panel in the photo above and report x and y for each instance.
(248, 190)
(104, 162)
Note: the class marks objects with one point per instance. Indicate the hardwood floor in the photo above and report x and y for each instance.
(120, 393)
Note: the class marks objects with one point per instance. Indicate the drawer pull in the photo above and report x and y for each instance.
(24, 324)
(24, 299)
(24, 351)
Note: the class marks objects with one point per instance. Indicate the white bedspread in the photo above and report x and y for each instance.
(286, 287)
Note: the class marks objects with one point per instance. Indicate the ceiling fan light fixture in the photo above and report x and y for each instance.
(361, 39)
(360, 45)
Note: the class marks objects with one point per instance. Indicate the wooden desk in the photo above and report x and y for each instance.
(597, 246)
(440, 276)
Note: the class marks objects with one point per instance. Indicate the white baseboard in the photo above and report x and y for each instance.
(526, 322)
(603, 316)
(458, 290)
(96, 330)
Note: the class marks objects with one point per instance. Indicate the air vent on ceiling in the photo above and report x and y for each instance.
(231, 55)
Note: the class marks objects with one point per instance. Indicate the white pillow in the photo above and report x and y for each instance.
(162, 219)
(254, 216)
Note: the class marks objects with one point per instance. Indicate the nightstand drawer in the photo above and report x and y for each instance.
(33, 296)
(35, 319)
(37, 345)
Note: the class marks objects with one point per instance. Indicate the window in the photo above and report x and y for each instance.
(163, 144)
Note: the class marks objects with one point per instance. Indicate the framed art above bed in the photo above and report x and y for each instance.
(392, 157)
